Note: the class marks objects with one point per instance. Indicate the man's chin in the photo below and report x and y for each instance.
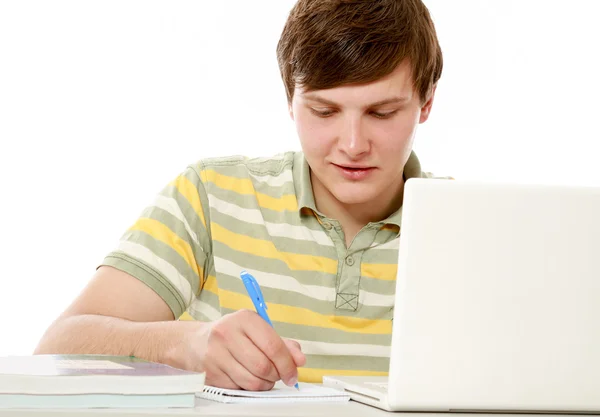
(356, 196)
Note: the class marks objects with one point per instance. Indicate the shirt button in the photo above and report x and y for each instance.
(327, 226)
(350, 260)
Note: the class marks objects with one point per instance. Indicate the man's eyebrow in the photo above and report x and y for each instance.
(391, 100)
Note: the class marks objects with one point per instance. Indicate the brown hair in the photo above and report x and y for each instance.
(327, 43)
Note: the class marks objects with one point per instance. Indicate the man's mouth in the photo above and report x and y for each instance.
(355, 172)
(355, 167)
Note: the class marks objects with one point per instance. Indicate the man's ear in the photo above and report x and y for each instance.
(426, 108)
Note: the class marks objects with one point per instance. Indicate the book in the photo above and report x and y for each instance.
(279, 394)
(93, 381)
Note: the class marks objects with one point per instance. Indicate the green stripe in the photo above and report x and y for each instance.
(154, 279)
(209, 298)
(344, 362)
(197, 316)
(378, 286)
(380, 256)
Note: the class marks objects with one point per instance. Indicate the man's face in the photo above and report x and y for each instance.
(357, 138)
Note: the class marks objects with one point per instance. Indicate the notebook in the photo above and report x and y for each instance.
(93, 381)
(279, 394)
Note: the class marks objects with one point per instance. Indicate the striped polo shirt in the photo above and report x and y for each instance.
(224, 215)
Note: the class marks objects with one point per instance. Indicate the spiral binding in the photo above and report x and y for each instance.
(213, 390)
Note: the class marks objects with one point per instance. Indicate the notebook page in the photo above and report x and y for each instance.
(280, 392)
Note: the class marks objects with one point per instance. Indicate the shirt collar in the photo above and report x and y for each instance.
(304, 191)
(302, 183)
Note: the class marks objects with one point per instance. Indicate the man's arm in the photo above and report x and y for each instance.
(120, 315)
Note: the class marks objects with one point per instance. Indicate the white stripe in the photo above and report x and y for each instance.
(286, 283)
(165, 268)
(170, 205)
(206, 309)
(371, 299)
(275, 181)
(254, 216)
(310, 347)
(248, 215)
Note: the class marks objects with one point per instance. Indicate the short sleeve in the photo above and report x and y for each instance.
(168, 246)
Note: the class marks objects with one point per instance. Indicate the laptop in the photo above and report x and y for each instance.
(497, 301)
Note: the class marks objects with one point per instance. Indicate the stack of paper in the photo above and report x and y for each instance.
(92, 381)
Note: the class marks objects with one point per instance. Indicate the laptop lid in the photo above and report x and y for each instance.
(497, 299)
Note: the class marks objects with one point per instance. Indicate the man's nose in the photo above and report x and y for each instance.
(353, 140)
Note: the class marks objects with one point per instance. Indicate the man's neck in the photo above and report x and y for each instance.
(353, 217)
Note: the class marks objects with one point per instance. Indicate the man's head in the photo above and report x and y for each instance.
(359, 75)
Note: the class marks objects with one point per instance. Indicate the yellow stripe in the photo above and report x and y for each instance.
(305, 317)
(190, 192)
(266, 249)
(210, 285)
(244, 186)
(285, 202)
(162, 233)
(386, 272)
(390, 227)
(315, 375)
(186, 317)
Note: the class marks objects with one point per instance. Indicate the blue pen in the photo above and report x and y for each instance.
(257, 298)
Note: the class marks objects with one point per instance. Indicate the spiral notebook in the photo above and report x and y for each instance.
(279, 394)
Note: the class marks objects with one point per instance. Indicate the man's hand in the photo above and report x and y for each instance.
(240, 351)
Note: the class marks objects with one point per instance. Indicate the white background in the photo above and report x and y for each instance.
(104, 102)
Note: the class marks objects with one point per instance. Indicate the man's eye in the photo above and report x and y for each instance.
(322, 113)
(384, 115)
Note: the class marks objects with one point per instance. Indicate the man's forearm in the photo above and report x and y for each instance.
(94, 334)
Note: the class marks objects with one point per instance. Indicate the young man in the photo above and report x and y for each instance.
(318, 229)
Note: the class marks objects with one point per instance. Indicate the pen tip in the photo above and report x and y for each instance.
(297, 387)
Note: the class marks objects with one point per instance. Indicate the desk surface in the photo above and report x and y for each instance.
(207, 408)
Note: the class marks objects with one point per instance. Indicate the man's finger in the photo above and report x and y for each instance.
(296, 351)
(267, 340)
(241, 376)
(218, 378)
(254, 360)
